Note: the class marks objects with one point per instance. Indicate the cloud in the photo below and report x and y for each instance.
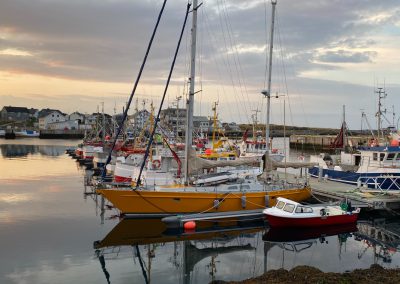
(343, 56)
(105, 41)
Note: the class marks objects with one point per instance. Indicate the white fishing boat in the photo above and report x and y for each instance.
(27, 133)
(288, 213)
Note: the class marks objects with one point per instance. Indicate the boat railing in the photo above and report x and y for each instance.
(378, 181)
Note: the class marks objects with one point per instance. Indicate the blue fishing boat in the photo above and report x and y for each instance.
(376, 167)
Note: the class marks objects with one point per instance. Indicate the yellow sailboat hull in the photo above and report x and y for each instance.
(180, 202)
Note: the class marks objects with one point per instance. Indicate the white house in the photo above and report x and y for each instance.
(140, 118)
(54, 116)
(63, 125)
(77, 116)
(201, 124)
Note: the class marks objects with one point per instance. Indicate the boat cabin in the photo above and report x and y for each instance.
(290, 206)
(367, 159)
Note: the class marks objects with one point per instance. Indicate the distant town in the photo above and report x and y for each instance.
(54, 123)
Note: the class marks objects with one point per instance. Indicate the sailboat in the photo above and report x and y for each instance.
(217, 192)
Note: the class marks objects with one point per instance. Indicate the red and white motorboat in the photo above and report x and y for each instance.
(288, 213)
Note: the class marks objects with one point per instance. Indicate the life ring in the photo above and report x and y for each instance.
(156, 164)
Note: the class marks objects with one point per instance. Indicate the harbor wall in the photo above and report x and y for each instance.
(62, 134)
(322, 142)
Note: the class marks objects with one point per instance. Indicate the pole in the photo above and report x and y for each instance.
(190, 101)
(267, 93)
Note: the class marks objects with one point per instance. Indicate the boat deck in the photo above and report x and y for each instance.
(359, 197)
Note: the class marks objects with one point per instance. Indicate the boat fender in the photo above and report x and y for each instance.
(189, 225)
(216, 203)
(267, 201)
(156, 164)
(243, 200)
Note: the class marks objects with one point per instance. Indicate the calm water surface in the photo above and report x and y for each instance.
(51, 232)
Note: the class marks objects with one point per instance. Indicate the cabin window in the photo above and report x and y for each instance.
(232, 187)
(381, 156)
(280, 204)
(302, 209)
(375, 156)
(391, 156)
(288, 208)
(398, 157)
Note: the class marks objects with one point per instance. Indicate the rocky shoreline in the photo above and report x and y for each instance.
(307, 274)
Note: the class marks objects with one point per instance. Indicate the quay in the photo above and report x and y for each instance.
(323, 142)
(358, 196)
(177, 221)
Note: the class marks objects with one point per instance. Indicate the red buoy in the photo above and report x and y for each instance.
(394, 143)
(189, 225)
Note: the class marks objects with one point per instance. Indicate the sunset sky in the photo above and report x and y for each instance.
(74, 54)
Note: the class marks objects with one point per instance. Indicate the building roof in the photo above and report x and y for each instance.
(95, 114)
(16, 109)
(78, 113)
(45, 112)
(33, 110)
(200, 118)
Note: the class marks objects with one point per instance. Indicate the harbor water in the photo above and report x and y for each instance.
(51, 231)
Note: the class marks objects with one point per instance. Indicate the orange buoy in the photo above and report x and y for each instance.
(208, 151)
(394, 143)
(189, 225)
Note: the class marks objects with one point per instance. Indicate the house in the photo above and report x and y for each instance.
(219, 127)
(33, 112)
(201, 124)
(63, 125)
(97, 118)
(231, 126)
(140, 118)
(77, 116)
(54, 116)
(15, 113)
(174, 118)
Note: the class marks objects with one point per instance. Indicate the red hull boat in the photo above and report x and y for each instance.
(288, 213)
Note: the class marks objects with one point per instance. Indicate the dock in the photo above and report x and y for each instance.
(359, 196)
(177, 221)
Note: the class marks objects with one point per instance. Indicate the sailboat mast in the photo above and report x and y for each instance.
(190, 101)
(267, 92)
(103, 132)
(344, 126)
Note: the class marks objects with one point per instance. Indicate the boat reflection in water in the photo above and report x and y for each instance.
(20, 151)
(233, 251)
(288, 248)
(282, 235)
(209, 240)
